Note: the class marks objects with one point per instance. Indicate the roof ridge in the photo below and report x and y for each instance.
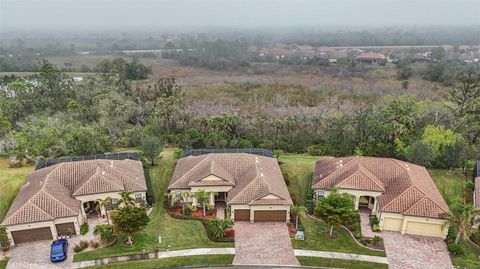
(47, 178)
(394, 199)
(407, 169)
(419, 201)
(112, 181)
(62, 204)
(207, 157)
(244, 188)
(360, 170)
(85, 182)
(343, 165)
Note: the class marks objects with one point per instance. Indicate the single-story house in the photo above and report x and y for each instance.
(253, 186)
(371, 57)
(402, 195)
(56, 200)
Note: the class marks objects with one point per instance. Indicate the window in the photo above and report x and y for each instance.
(320, 194)
(138, 197)
(114, 201)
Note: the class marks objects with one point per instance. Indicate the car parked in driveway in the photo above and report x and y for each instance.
(58, 250)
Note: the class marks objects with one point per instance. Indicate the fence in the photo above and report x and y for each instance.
(109, 156)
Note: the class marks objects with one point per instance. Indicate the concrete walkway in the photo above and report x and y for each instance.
(339, 255)
(365, 224)
(224, 251)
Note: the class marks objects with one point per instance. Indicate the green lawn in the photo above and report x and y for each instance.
(336, 263)
(3, 264)
(11, 179)
(315, 240)
(297, 170)
(206, 260)
(178, 234)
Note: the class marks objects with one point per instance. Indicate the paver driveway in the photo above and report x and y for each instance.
(415, 252)
(37, 255)
(263, 243)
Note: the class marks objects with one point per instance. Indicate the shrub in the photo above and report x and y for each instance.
(210, 209)
(217, 227)
(376, 228)
(376, 239)
(4, 242)
(106, 233)
(374, 220)
(455, 249)
(80, 246)
(315, 150)
(94, 244)
(189, 209)
(84, 228)
(470, 185)
(178, 154)
(309, 204)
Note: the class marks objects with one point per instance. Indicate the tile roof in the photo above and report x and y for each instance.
(49, 193)
(406, 188)
(252, 177)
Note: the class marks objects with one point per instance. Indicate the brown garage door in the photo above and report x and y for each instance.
(32, 235)
(242, 215)
(65, 229)
(270, 215)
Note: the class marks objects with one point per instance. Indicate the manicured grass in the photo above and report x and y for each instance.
(11, 180)
(205, 260)
(315, 239)
(336, 263)
(451, 186)
(470, 257)
(178, 234)
(3, 264)
(298, 170)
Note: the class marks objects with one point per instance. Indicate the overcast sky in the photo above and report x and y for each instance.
(150, 14)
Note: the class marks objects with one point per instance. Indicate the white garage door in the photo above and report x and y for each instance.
(421, 228)
(392, 224)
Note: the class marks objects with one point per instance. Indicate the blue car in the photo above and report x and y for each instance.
(58, 250)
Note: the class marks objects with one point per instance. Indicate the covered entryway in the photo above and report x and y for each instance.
(241, 214)
(66, 229)
(30, 235)
(270, 215)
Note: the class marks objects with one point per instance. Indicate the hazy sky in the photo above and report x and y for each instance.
(150, 14)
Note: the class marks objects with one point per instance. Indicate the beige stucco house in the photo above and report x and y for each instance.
(402, 195)
(253, 186)
(56, 200)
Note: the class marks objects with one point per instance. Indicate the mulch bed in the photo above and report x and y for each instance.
(379, 245)
(198, 213)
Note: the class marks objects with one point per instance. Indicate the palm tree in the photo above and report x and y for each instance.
(296, 210)
(105, 203)
(126, 198)
(202, 197)
(184, 199)
(461, 217)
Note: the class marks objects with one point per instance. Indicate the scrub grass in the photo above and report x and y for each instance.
(337, 263)
(206, 260)
(297, 169)
(175, 234)
(11, 180)
(451, 186)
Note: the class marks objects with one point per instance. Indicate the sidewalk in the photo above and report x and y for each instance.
(339, 255)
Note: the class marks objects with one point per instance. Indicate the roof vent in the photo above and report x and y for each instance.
(103, 172)
(111, 163)
(261, 174)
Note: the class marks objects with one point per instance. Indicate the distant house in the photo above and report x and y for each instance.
(371, 57)
(56, 200)
(277, 53)
(402, 195)
(252, 186)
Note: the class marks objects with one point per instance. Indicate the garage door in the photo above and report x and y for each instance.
(242, 215)
(421, 228)
(65, 229)
(270, 215)
(31, 235)
(391, 224)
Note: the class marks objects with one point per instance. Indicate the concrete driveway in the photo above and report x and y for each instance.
(37, 255)
(415, 252)
(263, 243)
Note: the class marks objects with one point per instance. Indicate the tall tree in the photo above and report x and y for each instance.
(129, 220)
(461, 217)
(151, 148)
(336, 209)
(126, 198)
(105, 203)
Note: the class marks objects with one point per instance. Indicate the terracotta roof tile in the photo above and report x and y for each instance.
(252, 177)
(49, 193)
(404, 184)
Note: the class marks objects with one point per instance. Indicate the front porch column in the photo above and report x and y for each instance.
(194, 201)
(212, 198)
(374, 210)
(357, 202)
